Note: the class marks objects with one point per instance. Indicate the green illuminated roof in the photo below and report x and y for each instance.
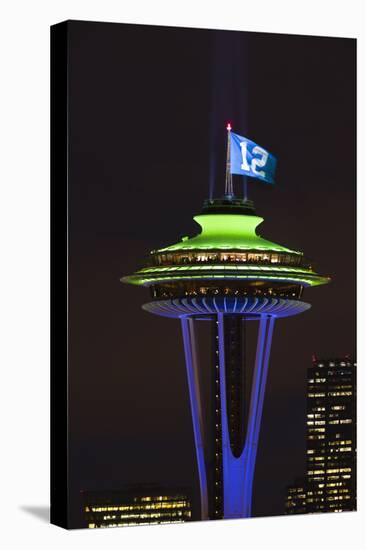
(227, 232)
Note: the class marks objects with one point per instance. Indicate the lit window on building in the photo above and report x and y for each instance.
(121, 508)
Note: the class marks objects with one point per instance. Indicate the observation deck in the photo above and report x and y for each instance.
(226, 267)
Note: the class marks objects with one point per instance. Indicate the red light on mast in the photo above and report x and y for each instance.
(228, 127)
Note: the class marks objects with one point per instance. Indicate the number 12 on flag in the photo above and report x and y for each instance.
(249, 159)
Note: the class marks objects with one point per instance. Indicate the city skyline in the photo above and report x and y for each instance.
(123, 199)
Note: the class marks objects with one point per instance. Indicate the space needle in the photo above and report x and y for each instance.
(227, 275)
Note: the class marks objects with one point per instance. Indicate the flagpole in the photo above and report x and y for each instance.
(229, 178)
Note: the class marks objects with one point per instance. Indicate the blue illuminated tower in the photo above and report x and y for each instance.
(227, 275)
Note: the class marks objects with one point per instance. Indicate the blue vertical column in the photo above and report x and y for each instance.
(196, 408)
(233, 468)
(238, 472)
(256, 406)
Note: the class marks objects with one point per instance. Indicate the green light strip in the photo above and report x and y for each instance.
(225, 267)
(219, 246)
(134, 279)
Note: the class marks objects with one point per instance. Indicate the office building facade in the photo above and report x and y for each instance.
(136, 505)
(329, 484)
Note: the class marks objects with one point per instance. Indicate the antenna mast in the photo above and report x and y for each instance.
(229, 178)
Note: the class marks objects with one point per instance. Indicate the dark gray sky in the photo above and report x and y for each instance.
(148, 107)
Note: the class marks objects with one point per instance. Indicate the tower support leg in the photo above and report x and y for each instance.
(196, 410)
(238, 472)
(266, 327)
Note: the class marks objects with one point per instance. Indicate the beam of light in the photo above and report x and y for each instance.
(229, 70)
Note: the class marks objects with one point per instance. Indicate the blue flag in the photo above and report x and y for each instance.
(249, 159)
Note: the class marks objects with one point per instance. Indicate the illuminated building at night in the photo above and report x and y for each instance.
(330, 481)
(227, 276)
(141, 505)
(296, 498)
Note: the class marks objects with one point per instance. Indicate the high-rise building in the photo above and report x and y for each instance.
(329, 484)
(136, 505)
(296, 498)
(227, 275)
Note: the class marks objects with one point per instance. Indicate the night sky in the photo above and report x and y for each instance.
(148, 107)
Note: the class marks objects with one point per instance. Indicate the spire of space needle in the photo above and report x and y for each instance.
(229, 191)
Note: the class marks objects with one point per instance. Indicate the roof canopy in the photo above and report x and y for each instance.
(227, 232)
